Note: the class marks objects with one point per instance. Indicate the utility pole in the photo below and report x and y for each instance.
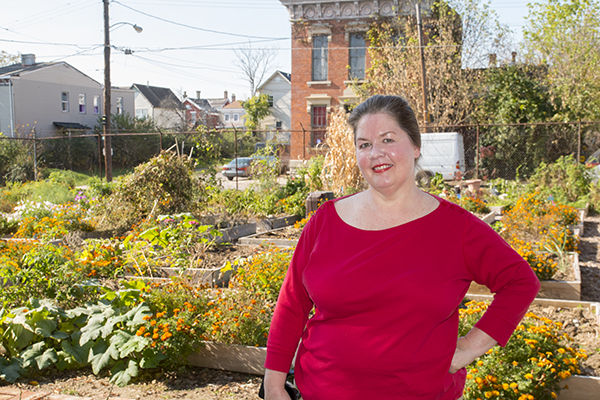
(423, 76)
(106, 119)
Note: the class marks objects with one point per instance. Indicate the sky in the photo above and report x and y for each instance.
(185, 45)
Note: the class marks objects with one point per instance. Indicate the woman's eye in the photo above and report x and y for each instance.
(363, 145)
(388, 140)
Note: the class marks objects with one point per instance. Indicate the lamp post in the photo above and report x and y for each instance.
(107, 100)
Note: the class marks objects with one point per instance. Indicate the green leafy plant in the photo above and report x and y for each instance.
(537, 357)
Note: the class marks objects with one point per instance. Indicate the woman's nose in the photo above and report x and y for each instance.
(376, 151)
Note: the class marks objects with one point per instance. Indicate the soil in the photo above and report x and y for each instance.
(202, 383)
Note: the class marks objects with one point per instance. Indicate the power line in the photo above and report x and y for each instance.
(195, 27)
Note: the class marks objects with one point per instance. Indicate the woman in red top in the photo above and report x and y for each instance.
(386, 270)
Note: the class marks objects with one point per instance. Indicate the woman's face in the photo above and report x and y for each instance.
(385, 154)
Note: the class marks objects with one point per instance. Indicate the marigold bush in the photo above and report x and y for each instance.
(537, 357)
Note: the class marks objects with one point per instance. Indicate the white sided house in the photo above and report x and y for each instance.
(279, 89)
(161, 105)
(47, 99)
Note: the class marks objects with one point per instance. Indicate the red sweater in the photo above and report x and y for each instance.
(386, 304)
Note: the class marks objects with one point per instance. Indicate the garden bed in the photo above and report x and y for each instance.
(566, 287)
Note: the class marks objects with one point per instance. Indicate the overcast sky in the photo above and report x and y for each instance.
(186, 45)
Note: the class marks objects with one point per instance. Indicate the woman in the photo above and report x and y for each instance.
(386, 270)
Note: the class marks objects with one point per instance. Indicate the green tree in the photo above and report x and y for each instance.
(257, 107)
(564, 35)
(514, 94)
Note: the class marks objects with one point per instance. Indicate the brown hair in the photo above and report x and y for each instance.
(396, 107)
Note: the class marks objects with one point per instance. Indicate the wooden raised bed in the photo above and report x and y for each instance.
(564, 290)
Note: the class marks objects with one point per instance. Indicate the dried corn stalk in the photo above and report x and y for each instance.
(340, 172)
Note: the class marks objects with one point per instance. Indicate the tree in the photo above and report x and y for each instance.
(257, 107)
(457, 35)
(254, 64)
(564, 35)
(8, 59)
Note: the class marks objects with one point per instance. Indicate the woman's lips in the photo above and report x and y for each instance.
(381, 168)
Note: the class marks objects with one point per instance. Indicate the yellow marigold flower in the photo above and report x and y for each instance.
(528, 376)
(513, 385)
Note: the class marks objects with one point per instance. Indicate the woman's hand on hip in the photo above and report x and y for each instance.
(275, 385)
(469, 347)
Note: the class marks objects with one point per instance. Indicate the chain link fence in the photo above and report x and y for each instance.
(491, 151)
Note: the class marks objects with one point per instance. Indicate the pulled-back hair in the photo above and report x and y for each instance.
(396, 107)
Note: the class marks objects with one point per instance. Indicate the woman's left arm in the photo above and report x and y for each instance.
(474, 344)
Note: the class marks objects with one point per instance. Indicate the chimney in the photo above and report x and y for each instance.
(27, 59)
(492, 58)
(185, 95)
(225, 95)
(197, 94)
(232, 97)
(514, 56)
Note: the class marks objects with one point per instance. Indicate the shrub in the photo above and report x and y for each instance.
(537, 357)
(163, 185)
(566, 180)
(47, 221)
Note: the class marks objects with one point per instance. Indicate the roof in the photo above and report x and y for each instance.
(284, 75)
(71, 125)
(157, 96)
(16, 69)
(200, 103)
(236, 104)
(19, 68)
(218, 103)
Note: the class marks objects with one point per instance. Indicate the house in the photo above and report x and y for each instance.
(279, 89)
(221, 102)
(234, 115)
(52, 98)
(161, 105)
(328, 56)
(198, 111)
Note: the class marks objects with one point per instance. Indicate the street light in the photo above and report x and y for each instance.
(107, 107)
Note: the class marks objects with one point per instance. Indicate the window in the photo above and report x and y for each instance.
(81, 103)
(270, 100)
(119, 105)
(64, 99)
(236, 117)
(226, 117)
(319, 58)
(319, 124)
(141, 113)
(96, 104)
(278, 125)
(357, 56)
(193, 117)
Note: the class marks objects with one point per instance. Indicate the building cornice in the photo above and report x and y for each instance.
(317, 10)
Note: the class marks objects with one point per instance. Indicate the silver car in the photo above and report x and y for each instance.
(243, 168)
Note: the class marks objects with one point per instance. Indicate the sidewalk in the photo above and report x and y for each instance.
(16, 394)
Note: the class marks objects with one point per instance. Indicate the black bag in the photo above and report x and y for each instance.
(291, 390)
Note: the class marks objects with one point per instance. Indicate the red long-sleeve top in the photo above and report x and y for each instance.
(386, 304)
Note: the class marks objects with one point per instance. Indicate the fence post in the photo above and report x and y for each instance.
(303, 142)
(100, 155)
(477, 154)
(578, 141)
(35, 167)
(235, 154)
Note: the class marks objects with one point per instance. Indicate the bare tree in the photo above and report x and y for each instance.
(254, 63)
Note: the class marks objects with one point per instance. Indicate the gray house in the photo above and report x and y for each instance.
(161, 105)
(51, 98)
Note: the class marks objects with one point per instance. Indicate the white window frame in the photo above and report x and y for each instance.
(64, 101)
(81, 103)
(226, 117)
(119, 106)
(96, 104)
(236, 117)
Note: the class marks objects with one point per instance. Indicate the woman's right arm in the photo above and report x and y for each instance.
(275, 385)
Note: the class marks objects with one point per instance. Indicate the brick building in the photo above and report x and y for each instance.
(328, 54)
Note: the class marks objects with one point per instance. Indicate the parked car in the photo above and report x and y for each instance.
(243, 165)
(442, 153)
